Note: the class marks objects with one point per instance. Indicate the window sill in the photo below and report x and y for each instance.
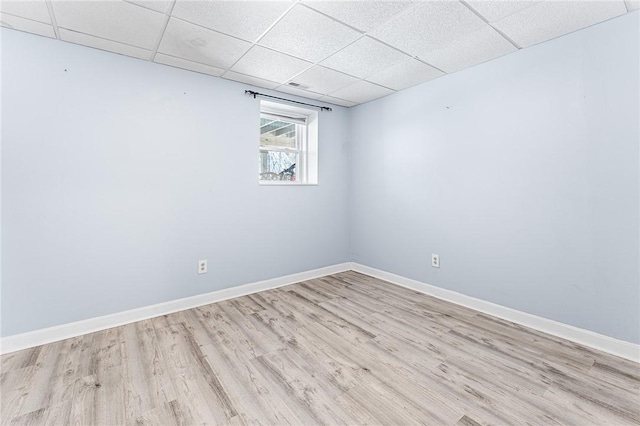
(276, 183)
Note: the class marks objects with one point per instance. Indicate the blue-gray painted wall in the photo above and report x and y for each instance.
(118, 175)
(521, 173)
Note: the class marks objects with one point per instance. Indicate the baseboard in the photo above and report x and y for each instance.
(587, 338)
(65, 331)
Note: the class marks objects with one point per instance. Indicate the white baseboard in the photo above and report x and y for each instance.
(65, 331)
(587, 338)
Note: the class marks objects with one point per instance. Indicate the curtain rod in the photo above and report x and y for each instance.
(254, 94)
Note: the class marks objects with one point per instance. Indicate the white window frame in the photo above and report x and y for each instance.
(306, 122)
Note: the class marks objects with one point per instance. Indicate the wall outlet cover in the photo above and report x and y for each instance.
(202, 266)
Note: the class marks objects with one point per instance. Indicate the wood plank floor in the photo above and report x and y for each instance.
(344, 349)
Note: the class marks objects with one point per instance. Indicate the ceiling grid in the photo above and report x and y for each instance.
(340, 52)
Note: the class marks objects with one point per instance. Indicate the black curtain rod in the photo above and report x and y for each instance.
(254, 94)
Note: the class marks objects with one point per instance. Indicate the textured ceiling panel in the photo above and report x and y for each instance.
(364, 57)
(100, 43)
(473, 48)
(194, 43)
(36, 10)
(324, 80)
(254, 81)
(112, 20)
(632, 4)
(405, 74)
(446, 35)
(362, 91)
(550, 19)
(432, 24)
(161, 6)
(188, 65)
(247, 20)
(22, 24)
(362, 15)
(336, 101)
(344, 52)
(308, 35)
(270, 65)
(493, 10)
(299, 92)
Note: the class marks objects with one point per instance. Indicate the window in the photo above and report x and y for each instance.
(288, 145)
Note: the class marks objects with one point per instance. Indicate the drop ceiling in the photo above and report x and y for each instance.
(340, 52)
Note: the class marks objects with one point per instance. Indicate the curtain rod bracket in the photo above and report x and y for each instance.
(254, 94)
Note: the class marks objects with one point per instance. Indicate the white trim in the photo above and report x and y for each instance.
(65, 331)
(584, 337)
(282, 118)
(284, 183)
(587, 338)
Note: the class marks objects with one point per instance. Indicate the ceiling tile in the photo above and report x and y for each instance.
(299, 92)
(100, 43)
(270, 65)
(405, 74)
(188, 41)
(446, 35)
(364, 57)
(336, 101)
(161, 6)
(21, 24)
(112, 20)
(324, 80)
(309, 35)
(474, 48)
(241, 78)
(187, 65)
(362, 91)
(547, 20)
(632, 4)
(363, 15)
(247, 20)
(493, 10)
(35, 10)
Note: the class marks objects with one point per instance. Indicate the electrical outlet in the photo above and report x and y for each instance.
(435, 260)
(202, 266)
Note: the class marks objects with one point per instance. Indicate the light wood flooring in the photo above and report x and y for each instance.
(344, 349)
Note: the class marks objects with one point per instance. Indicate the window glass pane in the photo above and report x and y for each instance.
(278, 133)
(277, 165)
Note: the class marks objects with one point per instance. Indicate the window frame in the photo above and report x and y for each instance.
(306, 142)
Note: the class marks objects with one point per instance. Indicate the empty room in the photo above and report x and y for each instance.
(316, 212)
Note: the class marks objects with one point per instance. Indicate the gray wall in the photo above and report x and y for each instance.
(118, 175)
(522, 173)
